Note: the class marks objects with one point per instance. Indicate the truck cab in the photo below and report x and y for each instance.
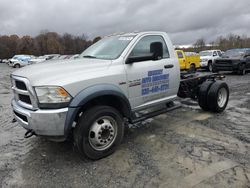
(131, 72)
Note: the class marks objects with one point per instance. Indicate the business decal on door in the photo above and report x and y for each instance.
(155, 82)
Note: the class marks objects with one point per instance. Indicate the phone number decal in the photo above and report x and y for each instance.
(155, 82)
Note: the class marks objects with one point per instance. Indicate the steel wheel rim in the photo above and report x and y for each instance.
(222, 97)
(103, 133)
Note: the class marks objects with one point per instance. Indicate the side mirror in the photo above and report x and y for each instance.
(134, 59)
(156, 53)
(157, 49)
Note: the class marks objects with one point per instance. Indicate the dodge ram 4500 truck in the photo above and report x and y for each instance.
(115, 81)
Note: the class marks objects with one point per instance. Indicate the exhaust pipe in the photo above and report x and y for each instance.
(29, 134)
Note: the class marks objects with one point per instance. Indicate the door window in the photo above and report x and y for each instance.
(142, 48)
(180, 55)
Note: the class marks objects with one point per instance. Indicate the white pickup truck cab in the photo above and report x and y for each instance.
(94, 96)
(208, 57)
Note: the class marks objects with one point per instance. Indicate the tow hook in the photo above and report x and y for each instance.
(29, 134)
(13, 120)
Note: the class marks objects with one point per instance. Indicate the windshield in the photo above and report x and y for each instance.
(234, 53)
(108, 48)
(206, 53)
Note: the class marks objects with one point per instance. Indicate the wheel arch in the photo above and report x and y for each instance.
(103, 94)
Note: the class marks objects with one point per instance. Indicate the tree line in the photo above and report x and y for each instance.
(44, 43)
(222, 43)
(54, 43)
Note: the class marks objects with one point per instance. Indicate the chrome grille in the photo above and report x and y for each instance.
(23, 93)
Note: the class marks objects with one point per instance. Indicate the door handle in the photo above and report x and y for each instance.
(168, 66)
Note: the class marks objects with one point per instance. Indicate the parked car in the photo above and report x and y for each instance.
(20, 60)
(208, 57)
(50, 56)
(5, 61)
(120, 79)
(235, 60)
(188, 60)
(37, 60)
(56, 56)
(74, 56)
(63, 57)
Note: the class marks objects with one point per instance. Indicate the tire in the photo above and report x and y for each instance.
(218, 96)
(202, 96)
(215, 70)
(210, 66)
(192, 68)
(96, 127)
(17, 66)
(242, 69)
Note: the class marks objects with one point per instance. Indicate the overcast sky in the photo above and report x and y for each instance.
(185, 21)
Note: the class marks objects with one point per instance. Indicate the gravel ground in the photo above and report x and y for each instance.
(183, 148)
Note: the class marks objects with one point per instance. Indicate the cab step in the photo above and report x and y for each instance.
(169, 107)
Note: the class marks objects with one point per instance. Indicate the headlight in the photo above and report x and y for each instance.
(52, 97)
(204, 60)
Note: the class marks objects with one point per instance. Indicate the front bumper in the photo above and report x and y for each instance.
(204, 64)
(225, 67)
(42, 122)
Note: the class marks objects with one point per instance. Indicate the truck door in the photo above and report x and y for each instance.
(150, 82)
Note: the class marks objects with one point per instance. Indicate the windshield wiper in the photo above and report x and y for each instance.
(89, 56)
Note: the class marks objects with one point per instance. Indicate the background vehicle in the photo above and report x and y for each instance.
(74, 56)
(37, 60)
(114, 82)
(20, 61)
(188, 60)
(5, 61)
(235, 60)
(208, 57)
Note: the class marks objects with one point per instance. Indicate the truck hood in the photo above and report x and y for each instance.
(205, 57)
(230, 58)
(58, 72)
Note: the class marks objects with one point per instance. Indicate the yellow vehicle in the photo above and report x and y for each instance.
(188, 60)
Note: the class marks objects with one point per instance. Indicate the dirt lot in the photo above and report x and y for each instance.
(183, 148)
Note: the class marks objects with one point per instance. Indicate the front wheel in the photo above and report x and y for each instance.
(210, 66)
(99, 131)
(242, 70)
(17, 66)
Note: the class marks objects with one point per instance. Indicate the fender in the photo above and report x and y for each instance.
(87, 95)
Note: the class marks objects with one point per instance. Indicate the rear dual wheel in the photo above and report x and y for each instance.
(213, 96)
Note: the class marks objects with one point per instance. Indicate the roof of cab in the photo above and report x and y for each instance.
(135, 33)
